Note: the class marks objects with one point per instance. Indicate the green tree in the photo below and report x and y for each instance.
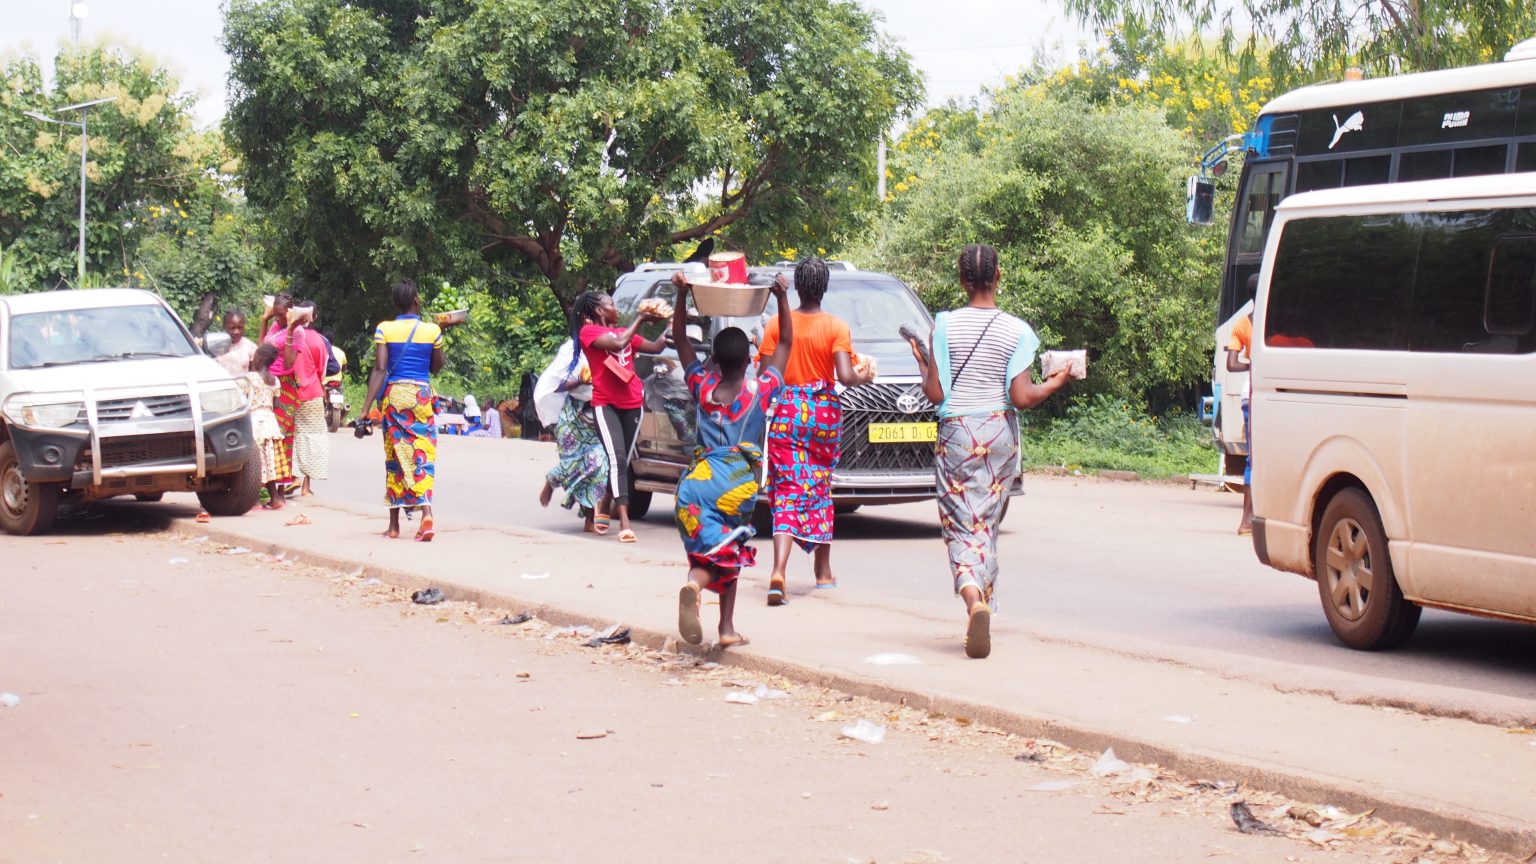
(1084, 203)
(140, 153)
(558, 140)
(1302, 42)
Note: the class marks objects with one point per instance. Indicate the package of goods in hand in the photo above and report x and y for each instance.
(727, 291)
(865, 365)
(656, 306)
(1052, 362)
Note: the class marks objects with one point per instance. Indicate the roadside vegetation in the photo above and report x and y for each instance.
(508, 155)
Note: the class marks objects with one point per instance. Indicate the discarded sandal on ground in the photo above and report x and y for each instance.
(688, 625)
(203, 517)
(300, 519)
(978, 633)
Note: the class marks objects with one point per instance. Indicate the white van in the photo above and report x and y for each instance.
(1394, 401)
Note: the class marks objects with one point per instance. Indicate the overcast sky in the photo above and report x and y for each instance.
(960, 45)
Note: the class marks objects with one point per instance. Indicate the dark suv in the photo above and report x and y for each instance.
(888, 427)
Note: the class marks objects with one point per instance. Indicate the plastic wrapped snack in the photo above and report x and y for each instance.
(1053, 361)
(863, 365)
(656, 306)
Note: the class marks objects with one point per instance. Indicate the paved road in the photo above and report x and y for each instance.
(178, 704)
(1149, 569)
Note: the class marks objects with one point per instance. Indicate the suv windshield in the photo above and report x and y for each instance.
(42, 339)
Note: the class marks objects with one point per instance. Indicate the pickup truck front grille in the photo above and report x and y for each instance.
(876, 403)
(155, 408)
(146, 450)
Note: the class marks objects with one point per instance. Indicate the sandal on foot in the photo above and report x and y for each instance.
(776, 595)
(600, 524)
(826, 586)
(978, 633)
(627, 536)
(688, 625)
(426, 533)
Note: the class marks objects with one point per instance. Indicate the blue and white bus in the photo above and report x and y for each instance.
(1463, 122)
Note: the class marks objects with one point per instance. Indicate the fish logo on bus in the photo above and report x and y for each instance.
(1355, 123)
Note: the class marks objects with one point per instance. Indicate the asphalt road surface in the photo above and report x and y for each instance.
(1149, 569)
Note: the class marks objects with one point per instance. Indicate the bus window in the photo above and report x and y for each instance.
(1266, 186)
(1342, 282)
(1471, 161)
(1510, 308)
(1320, 174)
(1526, 161)
(1366, 170)
(1424, 165)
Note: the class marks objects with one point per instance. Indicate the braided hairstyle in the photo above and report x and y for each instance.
(811, 280)
(583, 312)
(978, 267)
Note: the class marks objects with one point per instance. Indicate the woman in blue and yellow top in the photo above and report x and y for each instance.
(407, 351)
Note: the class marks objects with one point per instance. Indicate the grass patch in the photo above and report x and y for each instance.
(1103, 433)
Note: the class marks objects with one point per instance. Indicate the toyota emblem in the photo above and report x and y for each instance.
(911, 401)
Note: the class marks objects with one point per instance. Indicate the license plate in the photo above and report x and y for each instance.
(903, 433)
(335, 398)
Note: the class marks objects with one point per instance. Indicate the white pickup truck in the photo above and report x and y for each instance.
(104, 393)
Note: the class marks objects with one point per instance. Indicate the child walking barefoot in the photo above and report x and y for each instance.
(269, 436)
(716, 495)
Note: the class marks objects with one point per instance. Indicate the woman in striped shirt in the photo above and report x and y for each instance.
(979, 377)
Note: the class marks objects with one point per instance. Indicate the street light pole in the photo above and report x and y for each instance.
(83, 108)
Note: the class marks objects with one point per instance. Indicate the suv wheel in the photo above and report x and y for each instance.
(240, 495)
(24, 508)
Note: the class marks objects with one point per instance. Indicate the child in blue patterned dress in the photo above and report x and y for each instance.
(716, 494)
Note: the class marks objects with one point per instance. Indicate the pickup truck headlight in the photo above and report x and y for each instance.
(41, 411)
(224, 400)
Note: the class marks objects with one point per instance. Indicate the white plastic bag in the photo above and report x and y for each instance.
(547, 398)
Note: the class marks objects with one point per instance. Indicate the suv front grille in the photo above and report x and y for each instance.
(156, 407)
(143, 450)
(876, 403)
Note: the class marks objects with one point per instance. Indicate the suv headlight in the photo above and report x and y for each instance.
(26, 409)
(225, 400)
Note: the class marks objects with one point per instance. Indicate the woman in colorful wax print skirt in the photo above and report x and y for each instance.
(407, 352)
(805, 432)
(717, 493)
(979, 377)
(278, 331)
(563, 398)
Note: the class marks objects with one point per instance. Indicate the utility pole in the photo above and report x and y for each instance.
(880, 170)
(85, 143)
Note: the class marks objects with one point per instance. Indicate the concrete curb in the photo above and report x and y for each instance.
(1496, 833)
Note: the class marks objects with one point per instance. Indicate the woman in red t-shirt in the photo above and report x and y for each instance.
(617, 392)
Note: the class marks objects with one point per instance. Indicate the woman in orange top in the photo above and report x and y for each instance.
(804, 432)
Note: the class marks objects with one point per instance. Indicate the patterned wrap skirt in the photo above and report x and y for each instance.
(583, 468)
(311, 441)
(269, 443)
(804, 440)
(284, 408)
(715, 498)
(976, 461)
(410, 444)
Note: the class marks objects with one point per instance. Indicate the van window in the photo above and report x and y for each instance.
(1510, 308)
(1342, 282)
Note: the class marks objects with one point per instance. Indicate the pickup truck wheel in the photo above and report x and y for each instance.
(24, 508)
(242, 494)
(149, 497)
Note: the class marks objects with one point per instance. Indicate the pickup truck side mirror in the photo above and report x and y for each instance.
(216, 344)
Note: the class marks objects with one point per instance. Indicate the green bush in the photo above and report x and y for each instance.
(1104, 433)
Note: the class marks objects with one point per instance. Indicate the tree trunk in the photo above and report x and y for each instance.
(204, 316)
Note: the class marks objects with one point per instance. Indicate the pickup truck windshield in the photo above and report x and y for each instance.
(44, 339)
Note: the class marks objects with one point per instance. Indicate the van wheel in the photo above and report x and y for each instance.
(149, 497)
(242, 493)
(1364, 605)
(24, 508)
